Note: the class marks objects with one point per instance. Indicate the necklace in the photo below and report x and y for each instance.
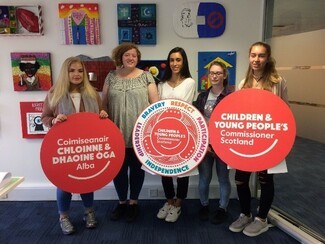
(257, 78)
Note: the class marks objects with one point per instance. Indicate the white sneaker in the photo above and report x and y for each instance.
(256, 228)
(173, 214)
(240, 223)
(163, 212)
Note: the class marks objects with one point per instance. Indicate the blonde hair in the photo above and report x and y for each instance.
(270, 74)
(62, 85)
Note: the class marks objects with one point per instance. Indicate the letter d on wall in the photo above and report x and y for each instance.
(199, 20)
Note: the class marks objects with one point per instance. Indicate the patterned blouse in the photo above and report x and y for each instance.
(127, 98)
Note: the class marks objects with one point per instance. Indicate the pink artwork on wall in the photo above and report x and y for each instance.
(79, 23)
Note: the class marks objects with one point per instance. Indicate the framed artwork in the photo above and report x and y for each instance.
(79, 23)
(97, 69)
(137, 23)
(21, 20)
(31, 71)
(31, 124)
(155, 67)
(199, 20)
(204, 60)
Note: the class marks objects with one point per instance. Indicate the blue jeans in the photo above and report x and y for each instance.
(205, 176)
(63, 200)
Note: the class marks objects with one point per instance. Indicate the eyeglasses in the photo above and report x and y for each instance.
(215, 73)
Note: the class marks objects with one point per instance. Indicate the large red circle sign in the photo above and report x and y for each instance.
(252, 130)
(170, 137)
(82, 154)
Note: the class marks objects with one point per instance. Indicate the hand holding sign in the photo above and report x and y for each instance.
(82, 154)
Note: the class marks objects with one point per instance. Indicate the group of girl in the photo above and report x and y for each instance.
(127, 91)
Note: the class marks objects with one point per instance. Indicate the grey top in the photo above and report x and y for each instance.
(280, 89)
(127, 98)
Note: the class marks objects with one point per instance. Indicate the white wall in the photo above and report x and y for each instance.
(305, 85)
(21, 156)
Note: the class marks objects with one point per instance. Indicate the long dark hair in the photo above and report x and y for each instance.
(185, 71)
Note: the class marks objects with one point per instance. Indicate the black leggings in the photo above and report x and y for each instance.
(244, 194)
(133, 179)
(182, 187)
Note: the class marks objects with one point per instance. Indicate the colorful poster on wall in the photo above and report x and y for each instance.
(137, 23)
(31, 71)
(155, 67)
(199, 20)
(31, 123)
(21, 20)
(79, 23)
(204, 60)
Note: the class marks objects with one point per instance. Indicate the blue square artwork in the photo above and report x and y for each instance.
(124, 11)
(137, 23)
(148, 35)
(125, 34)
(148, 11)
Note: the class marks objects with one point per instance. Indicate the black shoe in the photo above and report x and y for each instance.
(220, 216)
(118, 212)
(132, 213)
(204, 213)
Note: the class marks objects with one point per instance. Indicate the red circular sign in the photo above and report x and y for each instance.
(82, 154)
(170, 137)
(252, 130)
(215, 20)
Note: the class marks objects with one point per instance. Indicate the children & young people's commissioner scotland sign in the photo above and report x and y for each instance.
(82, 154)
(170, 137)
(252, 130)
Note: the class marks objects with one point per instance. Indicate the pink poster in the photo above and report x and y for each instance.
(79, 23)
